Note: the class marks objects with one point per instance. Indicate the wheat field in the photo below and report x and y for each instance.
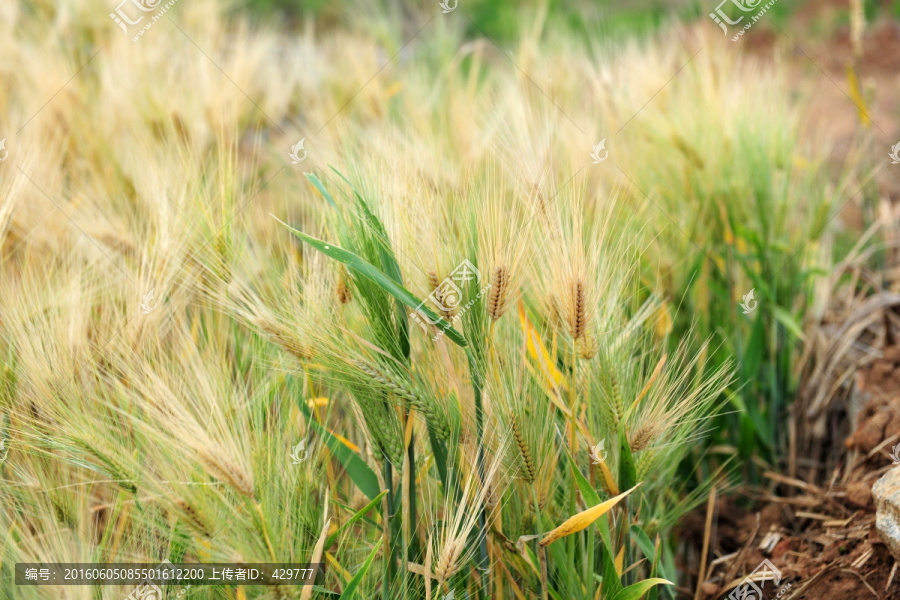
(450, 317)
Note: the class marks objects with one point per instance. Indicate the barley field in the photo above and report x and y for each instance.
(447, 300)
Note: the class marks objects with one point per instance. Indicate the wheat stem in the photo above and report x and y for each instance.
(538, 549)
(412, 496)
(479, 431)
(262, 520)
(573, 508)
(388, 538)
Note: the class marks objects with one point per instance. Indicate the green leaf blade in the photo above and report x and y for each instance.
(381, 279)
(350, 590)
(635, 591)
(356, 468)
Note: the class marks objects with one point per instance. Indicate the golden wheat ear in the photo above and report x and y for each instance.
(500, 284)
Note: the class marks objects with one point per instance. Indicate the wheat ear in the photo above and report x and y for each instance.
(497, 300)
(577, 310)
(431, 415)
(221, 467)
(192, 518)
(521, 444)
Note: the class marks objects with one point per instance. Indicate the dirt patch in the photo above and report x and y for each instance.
(852, 103)
(878, 426)
(821, 547)
(821, 538)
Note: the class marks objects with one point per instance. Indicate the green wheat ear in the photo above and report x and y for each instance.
(114, 469)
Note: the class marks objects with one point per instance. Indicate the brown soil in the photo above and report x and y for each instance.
(879, 421)
(822, 539)
(817, 47)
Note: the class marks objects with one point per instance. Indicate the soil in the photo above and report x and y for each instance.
(822, 539)
(818, 49)
(879, 420)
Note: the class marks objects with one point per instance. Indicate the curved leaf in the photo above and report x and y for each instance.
(350, 590)
(578, 522)
(635, 591)
(357, 469)
(386, 283)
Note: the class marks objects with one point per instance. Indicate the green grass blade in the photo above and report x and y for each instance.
(356, 468)
(359, 515)
(788, 321)
(627, 469)
(591, 498)
(635, 591)
(439, 450)
(350, 590)
(643, 542)
(387, 283)
(388, 262)
(319, 186)
(385, 253)
(320, 590)
(611, 583)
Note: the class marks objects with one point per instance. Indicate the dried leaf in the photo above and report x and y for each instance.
(580, 521)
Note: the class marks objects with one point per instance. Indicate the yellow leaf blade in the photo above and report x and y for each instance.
(608, 479)
(580, 521)
(347, 576)
(538, 351)
(856, 96)
(317, 402)
(652, 380)
(345, 441)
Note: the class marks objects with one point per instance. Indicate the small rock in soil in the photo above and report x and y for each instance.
(886, 492)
